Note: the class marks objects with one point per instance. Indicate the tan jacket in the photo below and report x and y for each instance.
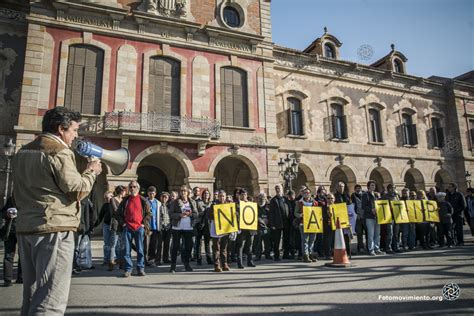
(48, 188)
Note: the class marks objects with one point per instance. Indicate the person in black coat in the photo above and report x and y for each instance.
(361, 231)
(9, 213)
(458, 202)
(278, 221)
(445, 219)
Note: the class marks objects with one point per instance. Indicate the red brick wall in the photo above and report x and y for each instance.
(253, 16)
(203, 10)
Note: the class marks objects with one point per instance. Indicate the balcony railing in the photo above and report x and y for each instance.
(151, 123)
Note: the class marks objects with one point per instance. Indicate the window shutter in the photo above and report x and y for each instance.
(164, 82)
(333, 127)
(290, 121)
(439, 137)
(405, 134)
(414, 135)
(344, 127)
(301, 123)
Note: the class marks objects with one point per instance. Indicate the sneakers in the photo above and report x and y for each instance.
(372, 254)
(226, 267)
(306, 259)
(141, 273)
(127, 274)
(379, 252)
(217, 268)
(312, 258)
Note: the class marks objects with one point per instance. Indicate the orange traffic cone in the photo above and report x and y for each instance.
(340, 259)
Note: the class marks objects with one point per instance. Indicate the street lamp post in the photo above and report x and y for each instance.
(8, 152)
(288, 169)
(468, 179)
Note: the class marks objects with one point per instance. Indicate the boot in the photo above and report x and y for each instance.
(239, 263)
(306, 259)
(217, 268)
(111, 266)
(209, 260)
(250, 262)
(226, 267)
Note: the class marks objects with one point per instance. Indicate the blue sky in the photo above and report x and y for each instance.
(437, 36)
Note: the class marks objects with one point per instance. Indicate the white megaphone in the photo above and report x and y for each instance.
(116, 160)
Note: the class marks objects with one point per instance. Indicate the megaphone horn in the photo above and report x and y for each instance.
(116, 160)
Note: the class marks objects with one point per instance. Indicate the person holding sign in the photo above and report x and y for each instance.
(307, 238)
(183, 214)
(392, 229)
(342, 197)
(445, 220)
(219, 243)
(245, 238)
(373, 228)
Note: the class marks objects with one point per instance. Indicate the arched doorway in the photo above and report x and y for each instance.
(442, 179)
(232, 172)
(345, 174)
(382, 178)
(163, 171)
(414, 179)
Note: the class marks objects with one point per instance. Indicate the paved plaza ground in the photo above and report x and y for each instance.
(291, 287)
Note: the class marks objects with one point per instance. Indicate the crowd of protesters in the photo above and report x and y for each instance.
(160, 227)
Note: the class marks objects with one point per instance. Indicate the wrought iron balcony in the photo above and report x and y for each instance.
(150, 123)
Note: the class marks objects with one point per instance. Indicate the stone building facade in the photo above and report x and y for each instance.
(199, 94)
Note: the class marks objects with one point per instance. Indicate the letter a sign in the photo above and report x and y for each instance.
(225, 218)
(312, 219)
(248, 215)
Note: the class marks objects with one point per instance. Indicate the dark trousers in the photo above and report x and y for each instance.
(296, 241)
(457, 223)
(219, 250)
(328, 239)
(471, 224)
(199, 234)
(187, 236)
(347, 242)
(244, 245)
(159, 246)
(262, 243)
(425, 234)
(361, 231)
(10, 249)
(444, 230)
(276, 238)
(396, 236)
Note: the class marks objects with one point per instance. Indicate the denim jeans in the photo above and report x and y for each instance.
(110, 241)
(307, 241)
(373, 234)
(138, 236)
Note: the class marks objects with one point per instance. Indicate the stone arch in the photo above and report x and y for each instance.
(184, 161)
(309, 180)
(250, 161)
(234, 62)
(413, 178)
(441, 178)
(165, 52)
(342, 173)
(64, 56)
(381, 176)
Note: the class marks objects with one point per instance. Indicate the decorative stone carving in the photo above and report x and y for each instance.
(172, 8)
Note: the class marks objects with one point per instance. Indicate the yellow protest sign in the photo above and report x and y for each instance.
(400, 214)
(415, 211)
(431, 211)
(248, 216)
(225, 218)
(339, 210)
(382, 209)
(312, 219)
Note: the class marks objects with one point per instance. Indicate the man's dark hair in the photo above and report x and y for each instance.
(370, 182)
(357, 186)
(59, 116)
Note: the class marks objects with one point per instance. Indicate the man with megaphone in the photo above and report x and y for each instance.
(48, 190)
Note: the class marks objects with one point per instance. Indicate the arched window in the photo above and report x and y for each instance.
(409, 130)
(397, 66)
(295, 117)
(234, 100)
(339, 122)
(231, 16)
(84, 79)
(164, 90)
(375, 126)
(329, 51)
(438, 133)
